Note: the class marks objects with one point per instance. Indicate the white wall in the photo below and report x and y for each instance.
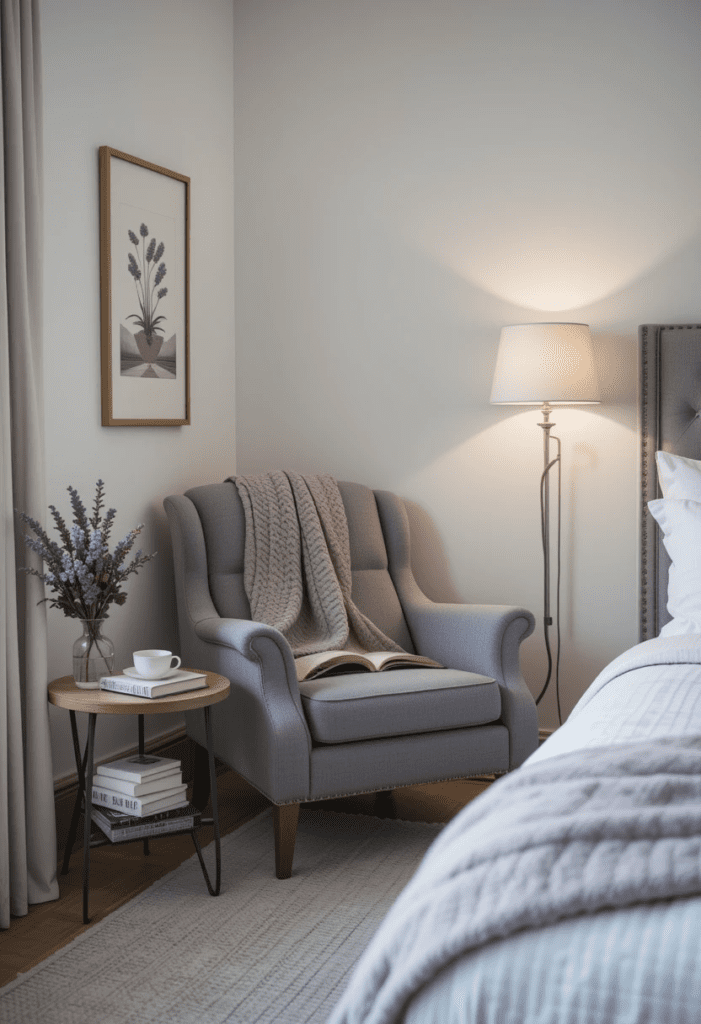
(412, 176)
(154, 80)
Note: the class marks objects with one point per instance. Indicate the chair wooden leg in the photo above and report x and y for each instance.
(384, 804)
(200, 782)
(285, 817)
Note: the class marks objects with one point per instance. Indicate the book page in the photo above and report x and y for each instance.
(390, 659)
(308, 664)
(314, 665)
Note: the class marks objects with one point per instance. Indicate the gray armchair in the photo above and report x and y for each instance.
(352, 733)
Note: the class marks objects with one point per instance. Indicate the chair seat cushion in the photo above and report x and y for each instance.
(368, 705)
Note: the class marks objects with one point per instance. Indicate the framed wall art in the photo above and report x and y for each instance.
(144, 292)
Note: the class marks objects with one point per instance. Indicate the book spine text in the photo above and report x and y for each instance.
(151, 829)
(133, 688)
(119, 801)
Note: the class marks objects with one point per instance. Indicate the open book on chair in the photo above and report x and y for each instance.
(311, 666)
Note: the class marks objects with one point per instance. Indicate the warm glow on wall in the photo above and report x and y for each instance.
(549, 258)
(546, 278)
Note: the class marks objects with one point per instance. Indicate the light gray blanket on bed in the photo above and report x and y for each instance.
(539, 846)
(297, 563)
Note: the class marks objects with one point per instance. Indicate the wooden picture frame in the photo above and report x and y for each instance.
(144, 292)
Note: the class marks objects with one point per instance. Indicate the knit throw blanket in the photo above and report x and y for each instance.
(577, 833)
(297, 566)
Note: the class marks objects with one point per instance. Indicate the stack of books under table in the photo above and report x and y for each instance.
(137, 797)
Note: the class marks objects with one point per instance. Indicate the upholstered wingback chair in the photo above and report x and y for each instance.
(354, 733)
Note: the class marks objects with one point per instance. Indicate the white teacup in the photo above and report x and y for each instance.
(154, 664)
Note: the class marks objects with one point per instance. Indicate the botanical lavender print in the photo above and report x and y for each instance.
(144, 275)
(151, 350)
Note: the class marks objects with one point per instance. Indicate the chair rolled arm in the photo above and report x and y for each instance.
(241, 634)
(260, 729)
(472, 637)
(258, 654)
(483, 639)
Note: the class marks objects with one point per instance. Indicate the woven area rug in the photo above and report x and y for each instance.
(263, 951)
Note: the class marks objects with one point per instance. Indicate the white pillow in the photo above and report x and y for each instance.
(679, 477)
(680, 522)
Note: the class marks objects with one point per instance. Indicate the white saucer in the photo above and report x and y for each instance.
(133, 674)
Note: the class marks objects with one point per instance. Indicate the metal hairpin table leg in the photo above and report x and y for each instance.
(80, 795)
(142, 755)
(215, 813)
(87, 820)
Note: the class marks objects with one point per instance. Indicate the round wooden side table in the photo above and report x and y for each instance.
(65, 694)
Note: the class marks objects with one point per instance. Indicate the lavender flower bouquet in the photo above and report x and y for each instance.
(85, 577)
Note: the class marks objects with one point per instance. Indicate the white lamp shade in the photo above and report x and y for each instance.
(539, 363)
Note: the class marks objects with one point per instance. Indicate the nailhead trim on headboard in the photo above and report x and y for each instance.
(653, 337)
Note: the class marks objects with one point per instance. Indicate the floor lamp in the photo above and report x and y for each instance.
(547, 364)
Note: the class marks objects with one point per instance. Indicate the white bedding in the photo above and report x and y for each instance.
(639, 965)
(636, 965)
(631, 700)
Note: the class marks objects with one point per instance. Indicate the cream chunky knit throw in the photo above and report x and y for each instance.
(297, 567)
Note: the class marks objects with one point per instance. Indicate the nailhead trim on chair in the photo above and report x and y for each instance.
(375, 789)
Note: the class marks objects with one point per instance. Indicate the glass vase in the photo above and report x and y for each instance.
(93, 655)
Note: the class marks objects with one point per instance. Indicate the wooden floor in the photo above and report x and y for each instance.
(119, 872)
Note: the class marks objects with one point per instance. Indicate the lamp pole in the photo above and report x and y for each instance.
(548, 463)
(546, 427)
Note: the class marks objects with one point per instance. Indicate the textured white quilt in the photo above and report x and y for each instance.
(651, 690)
(580, 832)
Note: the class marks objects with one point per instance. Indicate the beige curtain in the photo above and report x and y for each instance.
(27, 817)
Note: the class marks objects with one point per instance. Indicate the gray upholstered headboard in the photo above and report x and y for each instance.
(670, 420)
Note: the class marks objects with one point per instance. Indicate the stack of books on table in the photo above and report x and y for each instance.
(123, 827)
(141, 796)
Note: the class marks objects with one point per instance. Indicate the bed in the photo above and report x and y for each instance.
(570, 891)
